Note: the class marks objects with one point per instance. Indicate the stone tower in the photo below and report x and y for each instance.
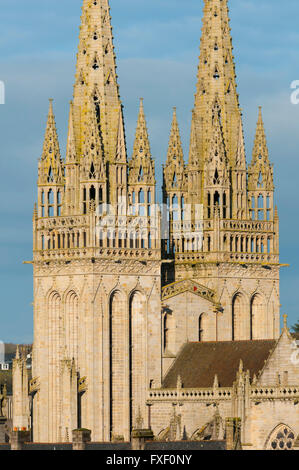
(96, 258)
(224, 231)
(116, 296)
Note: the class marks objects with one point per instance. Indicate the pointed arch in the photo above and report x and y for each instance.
(169, 331)
(118, 356)
(71, 324)
(202, 327)
(137, 327)
(55, 356)
(258, 316)
(281, 438)
(240, 317)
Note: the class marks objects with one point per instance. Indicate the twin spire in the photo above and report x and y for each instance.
(96, 135)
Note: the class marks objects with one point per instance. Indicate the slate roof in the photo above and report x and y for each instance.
(197, 363)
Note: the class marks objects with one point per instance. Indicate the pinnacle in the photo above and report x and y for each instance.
(175, 150)
(141, 144)
(51, 144)
(260, 150)
(50, 165)
(142, 168)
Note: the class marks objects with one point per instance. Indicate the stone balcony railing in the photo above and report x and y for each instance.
(266, 393)
(116, 254)
(222, 393)
(188, 394)
(244, 226)
(224, 257)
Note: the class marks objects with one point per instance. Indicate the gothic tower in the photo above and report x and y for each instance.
(117, 295)
(96, 259)
(224, 231)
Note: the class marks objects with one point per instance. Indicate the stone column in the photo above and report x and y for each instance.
(18, 438)
(81, 437)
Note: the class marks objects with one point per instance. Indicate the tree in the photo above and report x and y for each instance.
(295, 328)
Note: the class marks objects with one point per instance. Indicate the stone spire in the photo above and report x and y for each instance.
(175, 149)
(96, 77)
(216, 81)
(174, 170)
(142, 168)
(260, 149)
(50, 164)
(260, 171)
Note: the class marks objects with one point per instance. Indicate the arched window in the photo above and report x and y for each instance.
(50, 203)
(59, 203)
(183, 208)
(55, 351)
(137, 354)
(240, 318)
(258, 317)
(175, 208)
(50, 197)
(216, 198)
(43, 203)
(84, 201)
(169, 332)
(72, 324)
(141, 207)
(118, 362)
(92, 193)
(133, 203)
(209, 205)
(200, 327)
(149, 241)
(149, 201)
(282, 438)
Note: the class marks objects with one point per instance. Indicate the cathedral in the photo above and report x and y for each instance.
(157, 316)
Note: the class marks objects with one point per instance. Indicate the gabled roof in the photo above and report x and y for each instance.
(198, 363)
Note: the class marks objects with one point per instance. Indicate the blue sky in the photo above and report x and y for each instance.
(157, 54)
